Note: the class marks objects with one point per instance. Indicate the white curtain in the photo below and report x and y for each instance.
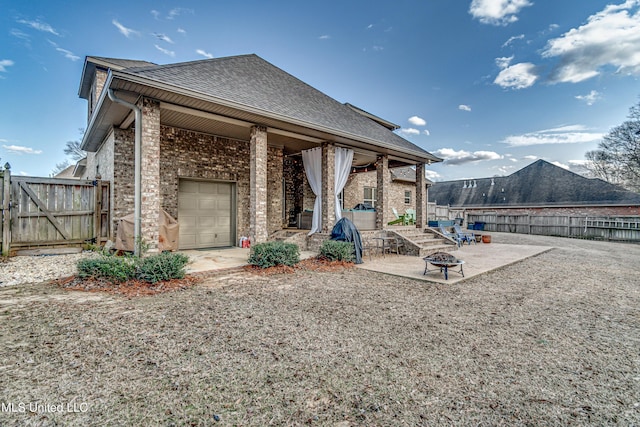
(312, 161)
(344, 158)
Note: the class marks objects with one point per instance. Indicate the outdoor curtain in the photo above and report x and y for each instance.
(312, 161)
(344, 158)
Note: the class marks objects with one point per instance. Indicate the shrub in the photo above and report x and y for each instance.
(335, 250)
(152, 269)
(163, 266)
(270, 254)
(114, 269)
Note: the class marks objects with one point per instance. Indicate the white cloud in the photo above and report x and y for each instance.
(409, 131)
(4, 63)
(18, 149)
(203, 53)
(590, 98)
(432, 175)
(464, 107)
(163, 37)
(178, 11)
(40, 26)
(453, 157)
(181, 31)
(127, 32)
(370, 26)
(417, 121)
(512, 39)
(517, 76)
(497, 12)
(530, 157)
(574, 134)
(426, 132)
(20, 35)
(562, 165)
(610, 37)
(155, 14)
(504, 62)
(67, 53)
(324, 37)
(165, 51)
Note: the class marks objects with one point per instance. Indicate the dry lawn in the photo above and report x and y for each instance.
(553, 340)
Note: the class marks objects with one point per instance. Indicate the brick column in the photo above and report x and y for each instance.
(382, 202)
(421, 197)
(150, 174)
(258, 185)
(328, 187)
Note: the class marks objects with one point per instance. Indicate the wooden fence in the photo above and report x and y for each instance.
(604, 228)
(52, 213)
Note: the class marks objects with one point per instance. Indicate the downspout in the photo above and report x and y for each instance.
(137, 204)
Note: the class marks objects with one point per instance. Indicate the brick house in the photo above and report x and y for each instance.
(220, 144)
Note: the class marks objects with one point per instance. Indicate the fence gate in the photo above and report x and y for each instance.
(54, 213)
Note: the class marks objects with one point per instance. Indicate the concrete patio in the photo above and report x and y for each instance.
(479, 258)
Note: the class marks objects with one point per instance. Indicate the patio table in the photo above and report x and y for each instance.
(384, 243)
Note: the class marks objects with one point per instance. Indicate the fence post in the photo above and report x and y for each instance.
(6, 217)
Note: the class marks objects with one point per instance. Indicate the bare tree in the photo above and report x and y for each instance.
(617, 159)
(71, 149)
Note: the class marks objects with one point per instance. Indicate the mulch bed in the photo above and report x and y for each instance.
(133, 288)
(130, 288)
(309, 264)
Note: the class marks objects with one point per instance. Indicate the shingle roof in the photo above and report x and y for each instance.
(124, 63)
(253, 82)
(540, 183)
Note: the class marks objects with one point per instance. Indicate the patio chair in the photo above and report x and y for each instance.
(410, 216)
(400, 219)
(452, 236)
(464, 236)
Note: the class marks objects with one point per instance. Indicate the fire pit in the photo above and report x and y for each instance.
(443, 261)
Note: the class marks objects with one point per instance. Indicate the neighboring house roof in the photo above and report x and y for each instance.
(538, 184)
(249, 84)
(73, 171)
(66, 172)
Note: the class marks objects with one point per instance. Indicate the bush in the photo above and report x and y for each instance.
(270, 254)
(152, 269)
(335, 250)
(114, 269)
(163, 266)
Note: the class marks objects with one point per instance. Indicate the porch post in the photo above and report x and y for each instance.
(150, 174)
(421, 197)
(328, 186)
(382, 202)
(258, 185)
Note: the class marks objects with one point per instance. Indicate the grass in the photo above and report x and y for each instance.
(336, 348)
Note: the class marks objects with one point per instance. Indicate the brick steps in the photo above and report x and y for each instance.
(423, 242)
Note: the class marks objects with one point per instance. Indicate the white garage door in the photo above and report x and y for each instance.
(205, 214)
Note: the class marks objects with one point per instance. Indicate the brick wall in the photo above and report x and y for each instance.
(295, 180)
(354, 191)
(189, 154)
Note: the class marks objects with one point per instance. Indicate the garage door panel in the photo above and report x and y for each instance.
(205, 214)
(188, 187)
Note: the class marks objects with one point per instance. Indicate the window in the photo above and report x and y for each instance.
(407, 197)
(370, 196)
(341, 199)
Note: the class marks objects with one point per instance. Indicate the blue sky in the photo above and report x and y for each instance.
(489, 85)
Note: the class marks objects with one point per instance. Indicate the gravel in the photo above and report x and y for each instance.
(21, 270)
